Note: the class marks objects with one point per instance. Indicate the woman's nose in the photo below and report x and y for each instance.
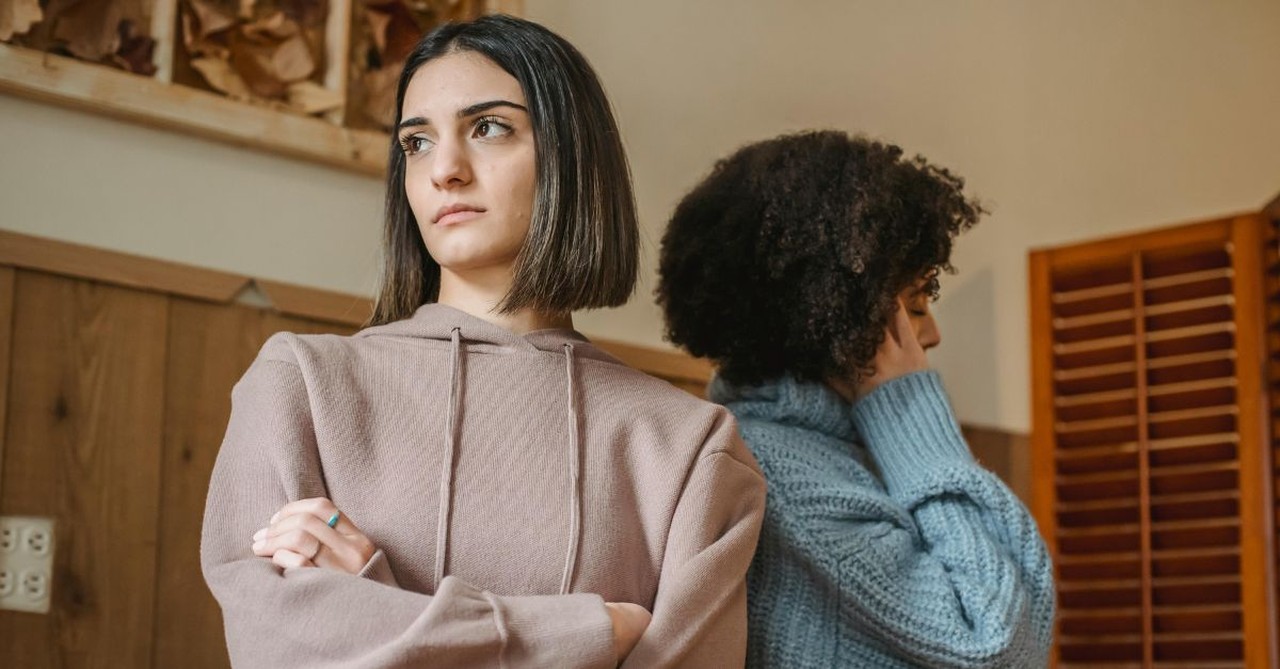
(450, 167)
(928, 333)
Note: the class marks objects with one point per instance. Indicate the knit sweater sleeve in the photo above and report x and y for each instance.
(950, 569)
(321, 617)
(700, 612)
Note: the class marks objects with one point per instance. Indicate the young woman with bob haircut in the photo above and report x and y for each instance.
(468, 481)
(804, 266)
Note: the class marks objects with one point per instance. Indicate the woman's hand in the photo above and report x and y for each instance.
(300, 536)
(629, 623)
(900, 353)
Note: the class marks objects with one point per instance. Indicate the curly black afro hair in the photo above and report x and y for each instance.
(789, 256)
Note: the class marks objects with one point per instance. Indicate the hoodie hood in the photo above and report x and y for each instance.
(437, 322)
(466, 333)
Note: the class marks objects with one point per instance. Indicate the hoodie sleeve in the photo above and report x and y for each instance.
(324, 618)
(700, 612)
(949, 569)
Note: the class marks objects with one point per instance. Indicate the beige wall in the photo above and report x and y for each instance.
(1071, 120)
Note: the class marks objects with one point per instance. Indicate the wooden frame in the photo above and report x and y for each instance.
(158, 102)
(1125, 501)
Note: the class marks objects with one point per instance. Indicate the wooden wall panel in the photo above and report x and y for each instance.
(210, 347)
(1006, 454)
(83, 445)
(1257, 519)
(7, 275)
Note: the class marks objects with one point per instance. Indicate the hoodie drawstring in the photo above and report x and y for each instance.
(451, 440)
(446, 473)
(575, 457)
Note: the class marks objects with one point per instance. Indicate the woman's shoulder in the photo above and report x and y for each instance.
(299, 348)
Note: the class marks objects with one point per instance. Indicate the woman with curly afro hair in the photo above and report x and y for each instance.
(804, 267)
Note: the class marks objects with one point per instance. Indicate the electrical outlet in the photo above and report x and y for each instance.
(26, 563)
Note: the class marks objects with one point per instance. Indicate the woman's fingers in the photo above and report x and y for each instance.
(298, 541)
(906, 334)
(287, 559)
(310, 536)
(299, 528)
(320, 507)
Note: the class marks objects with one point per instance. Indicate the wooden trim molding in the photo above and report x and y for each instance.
(295, 300)
(163, 276)
(122, 269)
(667, 364)
(1106, 249)
(1272, 209)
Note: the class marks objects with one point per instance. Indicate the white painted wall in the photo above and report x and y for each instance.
(1070, 120)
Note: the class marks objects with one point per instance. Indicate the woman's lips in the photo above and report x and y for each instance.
(460, 216)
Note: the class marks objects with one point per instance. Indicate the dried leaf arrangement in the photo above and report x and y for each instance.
(265, 51)
(98, 31)
(388, 32)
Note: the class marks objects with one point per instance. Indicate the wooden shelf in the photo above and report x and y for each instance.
(158, 102)
(130, 97)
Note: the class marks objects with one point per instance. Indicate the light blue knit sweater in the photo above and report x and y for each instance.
(884, 543)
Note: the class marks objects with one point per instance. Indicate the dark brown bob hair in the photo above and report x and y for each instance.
(583, 244)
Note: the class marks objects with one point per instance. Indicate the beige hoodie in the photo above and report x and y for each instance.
(513, 484)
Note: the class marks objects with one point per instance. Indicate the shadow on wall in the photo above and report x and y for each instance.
(967, 357)
(967, 361)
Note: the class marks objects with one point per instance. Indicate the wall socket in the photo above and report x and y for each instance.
(26, 563)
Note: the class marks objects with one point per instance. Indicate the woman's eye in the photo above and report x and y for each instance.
(488, 129)
(414, 144)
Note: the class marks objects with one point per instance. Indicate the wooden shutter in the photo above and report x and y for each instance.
(1151, 456)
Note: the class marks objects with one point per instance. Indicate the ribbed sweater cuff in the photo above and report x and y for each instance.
(910, 430)
(379, 569)
(557, 631)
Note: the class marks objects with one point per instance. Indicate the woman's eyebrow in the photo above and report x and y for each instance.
(471, 110)
(481, 107)
(413, 122)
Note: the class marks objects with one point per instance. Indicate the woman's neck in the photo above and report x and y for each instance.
(480, 293)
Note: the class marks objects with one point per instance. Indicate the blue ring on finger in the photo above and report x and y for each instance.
(333, 520)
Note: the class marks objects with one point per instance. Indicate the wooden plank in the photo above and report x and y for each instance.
(1257, 536)
(337, 61)
(1144, 460)
(671, 365)
(123, 269)
(1006, 454)
(156, 104)
(210, 347)
(1088, 254)
(317, 304)
(7, 276)
(83, 446)
(1043, 441)
(164, 27)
